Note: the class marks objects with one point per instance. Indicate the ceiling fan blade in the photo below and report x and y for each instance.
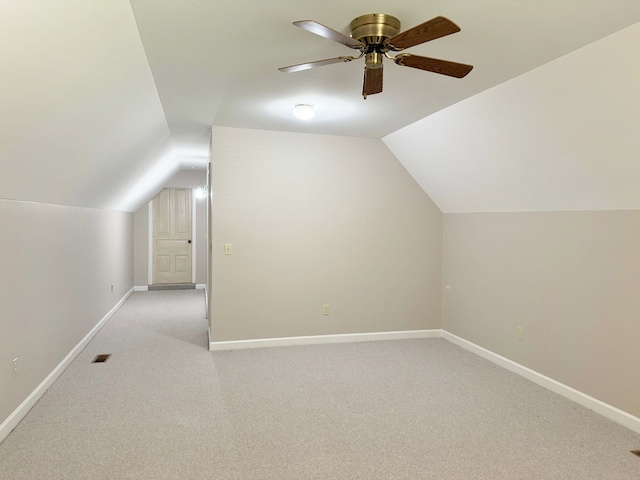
(372, 81)
(434, 65)
(326, 32)
(319, 63)
(430, 30)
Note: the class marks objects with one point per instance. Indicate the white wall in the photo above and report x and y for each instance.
(317, 220)
(570, 279)
(561, 142)
(57, 270)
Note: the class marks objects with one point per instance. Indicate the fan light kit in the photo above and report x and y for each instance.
(375, 35)
(303, 111)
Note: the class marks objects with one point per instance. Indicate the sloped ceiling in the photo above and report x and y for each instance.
(81, 120)
(564, 136)
(102, 102)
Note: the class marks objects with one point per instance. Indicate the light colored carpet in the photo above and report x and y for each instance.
(163, 407)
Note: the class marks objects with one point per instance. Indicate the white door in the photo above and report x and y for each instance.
(172, 236)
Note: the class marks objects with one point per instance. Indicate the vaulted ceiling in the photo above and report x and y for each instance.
(102, 102)
(561, 137)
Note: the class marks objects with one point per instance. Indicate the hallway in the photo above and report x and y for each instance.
(149, 412)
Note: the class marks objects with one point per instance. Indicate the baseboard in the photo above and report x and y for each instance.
(318, 339)
(19, 413)
(612, 413)
(145, 288)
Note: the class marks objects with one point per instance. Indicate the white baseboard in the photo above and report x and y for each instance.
(612, 413)
(318, 339)
(19, 413)
(145, 288)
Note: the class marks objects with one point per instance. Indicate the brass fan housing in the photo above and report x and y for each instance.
(374, 28)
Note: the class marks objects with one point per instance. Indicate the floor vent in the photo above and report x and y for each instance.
(103, 357)
(636, 452)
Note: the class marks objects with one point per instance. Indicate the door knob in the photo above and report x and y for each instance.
(189, 241)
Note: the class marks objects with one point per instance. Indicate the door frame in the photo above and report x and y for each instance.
(193, 240)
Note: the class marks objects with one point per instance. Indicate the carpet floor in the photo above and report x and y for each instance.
(163, 407)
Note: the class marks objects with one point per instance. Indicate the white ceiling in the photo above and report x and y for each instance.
(561, 137)
(216, 62)
(102, 102)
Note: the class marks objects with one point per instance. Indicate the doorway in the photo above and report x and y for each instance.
(172, 237)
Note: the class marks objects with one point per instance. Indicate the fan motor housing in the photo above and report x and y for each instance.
(374, 28)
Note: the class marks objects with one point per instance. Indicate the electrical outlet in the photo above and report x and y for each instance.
(227, 249)
(14, 368)
(325, 309)
(520, 333)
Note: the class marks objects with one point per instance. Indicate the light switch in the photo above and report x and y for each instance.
(227, 249)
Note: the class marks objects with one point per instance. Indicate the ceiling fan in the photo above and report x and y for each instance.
(375, 35)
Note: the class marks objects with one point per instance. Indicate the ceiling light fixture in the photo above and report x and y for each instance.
(201, 192)
(303, 111)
